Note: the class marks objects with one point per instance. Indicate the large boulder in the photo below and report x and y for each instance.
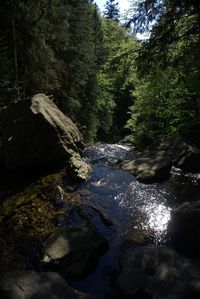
(184, 228)
(36, 132)
(157, 273)
(74, 252)
(33, 285)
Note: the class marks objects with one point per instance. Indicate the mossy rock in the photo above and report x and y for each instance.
(27, 218)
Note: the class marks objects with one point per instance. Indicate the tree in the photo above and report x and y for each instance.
(116, 80)
(54, 47)
(173, 21)
(168, 94)
(112, 11)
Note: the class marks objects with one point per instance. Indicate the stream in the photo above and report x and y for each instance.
(138, 211)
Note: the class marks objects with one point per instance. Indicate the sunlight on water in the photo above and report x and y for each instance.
(111, 152)
(139, 212)
(158, 216)
(131, 204)
(149, 202)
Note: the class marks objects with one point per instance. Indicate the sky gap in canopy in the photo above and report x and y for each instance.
(123, 4)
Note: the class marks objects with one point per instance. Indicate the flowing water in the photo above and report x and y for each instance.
(138, 211)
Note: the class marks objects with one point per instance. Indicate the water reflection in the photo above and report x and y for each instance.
(149, 205)
(108, 152)
(158, 216)
(130, 204)
(136, 210)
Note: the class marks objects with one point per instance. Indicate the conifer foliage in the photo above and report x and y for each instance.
(167, 93)
(112, 10)
(54, 47)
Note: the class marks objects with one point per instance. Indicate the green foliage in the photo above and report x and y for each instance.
(116, 79)
(56, 47)
(167, 93)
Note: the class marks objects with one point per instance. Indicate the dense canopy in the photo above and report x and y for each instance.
(100, 75)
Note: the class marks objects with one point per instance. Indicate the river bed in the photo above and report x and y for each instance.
(139, 212)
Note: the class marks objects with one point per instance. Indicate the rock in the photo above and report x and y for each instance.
(79, 169)
(184, 228)
(155, 163)
(181, 154)
(36, 132)
(104, 216)
(149, 170)
(33, 285)
(157, 273)
(136, 238)
(74, 252)
(190, 162)
(86, 212)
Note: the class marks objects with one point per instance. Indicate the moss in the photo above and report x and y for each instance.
(26, 219)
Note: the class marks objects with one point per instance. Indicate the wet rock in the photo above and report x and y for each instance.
(190, 162)
(185, 187)
(33, 285)
(155, 163)
(36, 132)
(79, 169)
(149, 170)
(74, 252)
(184, 228)
(104, 216)
(180, 153)
(55, 194)
(135, 239)
(157, 272)
(85, 193)
(86, 212)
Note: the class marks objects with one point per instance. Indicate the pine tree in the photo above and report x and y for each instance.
(112, 10)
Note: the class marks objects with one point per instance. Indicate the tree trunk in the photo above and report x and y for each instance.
(14, 49)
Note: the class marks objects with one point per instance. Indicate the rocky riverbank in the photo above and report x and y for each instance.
(155, 162)
(107, 228)
(31, 238)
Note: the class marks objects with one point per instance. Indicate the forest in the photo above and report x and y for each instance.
(99, 149)
(105, 79)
